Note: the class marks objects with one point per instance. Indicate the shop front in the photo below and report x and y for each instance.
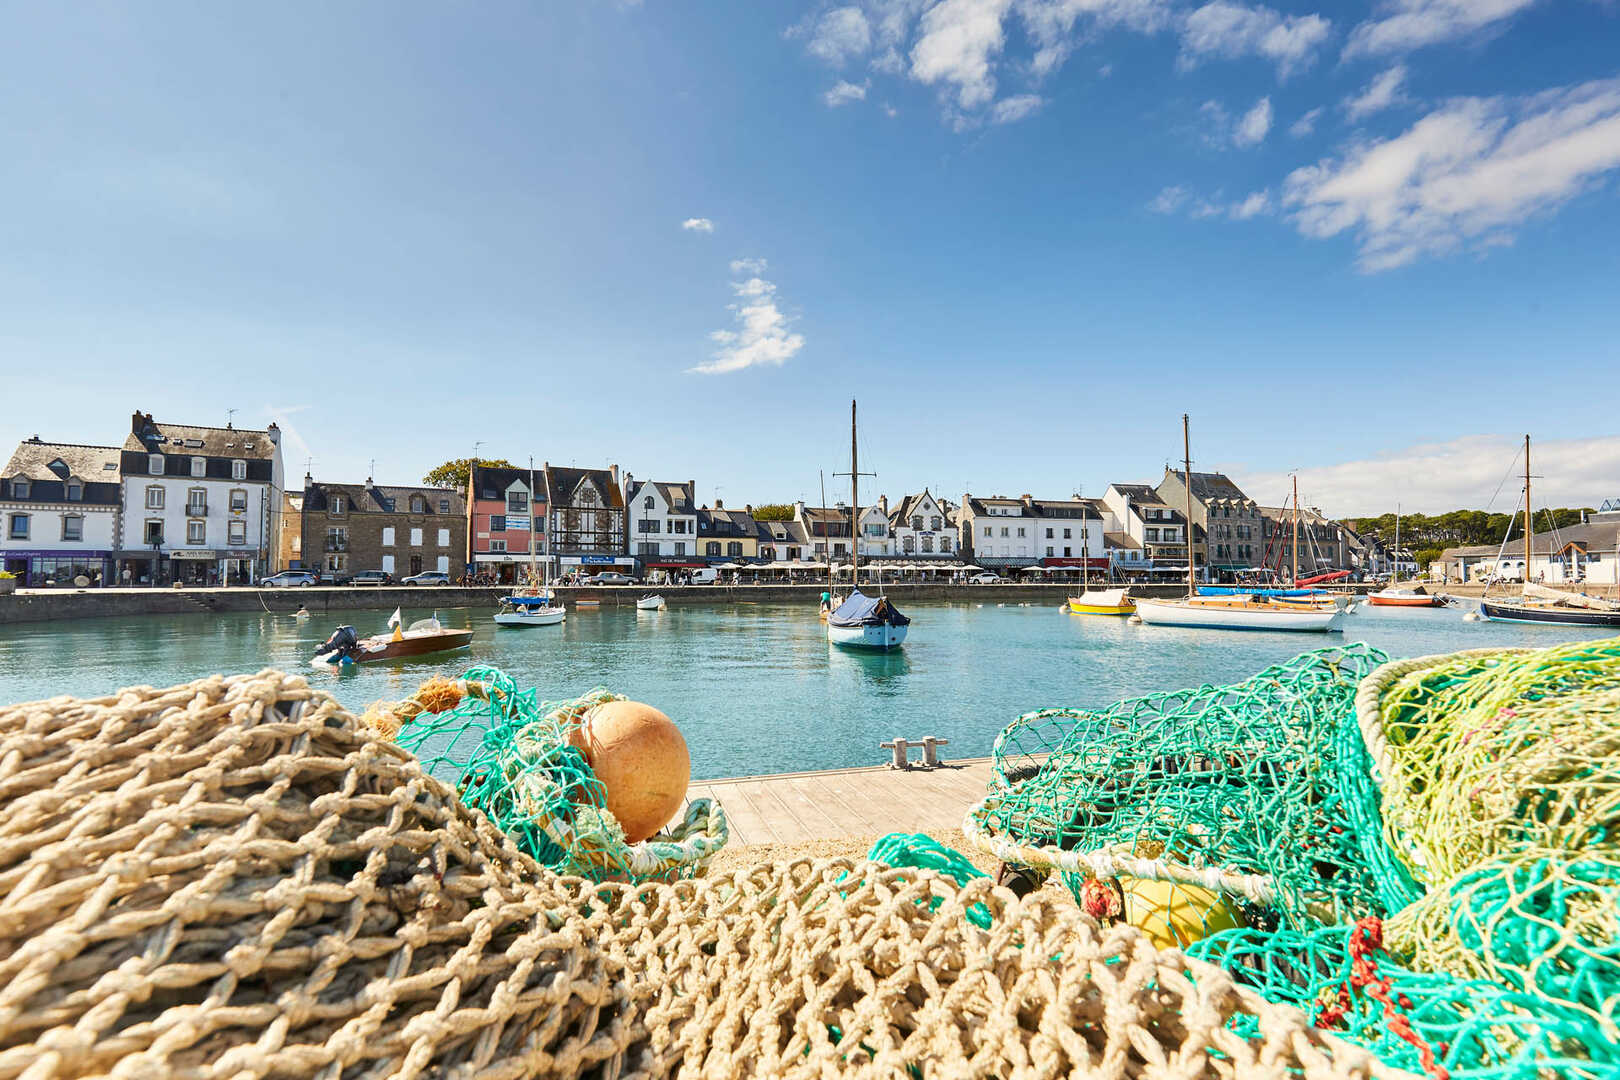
(40, 569)
(509, 567)
(595, 564)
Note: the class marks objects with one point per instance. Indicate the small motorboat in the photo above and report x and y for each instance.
(539, 610)
(1102, 602)
(346, 646)
(866, 622)
(652, 602)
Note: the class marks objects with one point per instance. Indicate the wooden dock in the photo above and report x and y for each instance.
(792, 808)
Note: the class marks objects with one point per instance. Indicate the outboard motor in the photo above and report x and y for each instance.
(341, 646)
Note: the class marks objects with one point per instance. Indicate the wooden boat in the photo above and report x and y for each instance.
(867, 622)
(1405, 598)
(1102, 602)
(537, 610)
(1230, 609)
(1539, 604)
(427, 636)
(653, 602)
(1238, 613)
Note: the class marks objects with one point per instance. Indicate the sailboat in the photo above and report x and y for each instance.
(1539, 604)
(536, 606)
(1229, 612)
(863, 621)
(1389, 595)
(1096, 601)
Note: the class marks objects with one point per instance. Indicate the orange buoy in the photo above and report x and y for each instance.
(640, 757)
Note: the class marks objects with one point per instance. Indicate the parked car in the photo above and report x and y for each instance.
(610, 577)
(287, 579)
(986, 578)
(371, 577)
(427, 577)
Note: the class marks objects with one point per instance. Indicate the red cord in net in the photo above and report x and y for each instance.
(1365, 939)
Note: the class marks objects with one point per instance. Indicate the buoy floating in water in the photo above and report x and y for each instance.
(641, 759)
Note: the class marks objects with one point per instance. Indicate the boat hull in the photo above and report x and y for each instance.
(530, 618)
(1239, 616)
(1102, 602)
(650, 603)
(880, 636)
(414, 643)
(1379, 599)
(1498, 611)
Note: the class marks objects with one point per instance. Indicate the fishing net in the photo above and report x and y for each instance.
(234, 879)
(509, 755)
(1427, 861)
(1233, 789)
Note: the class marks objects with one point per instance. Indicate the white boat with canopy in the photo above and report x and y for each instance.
(537, 606)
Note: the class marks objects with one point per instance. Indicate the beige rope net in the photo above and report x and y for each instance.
(230, 879)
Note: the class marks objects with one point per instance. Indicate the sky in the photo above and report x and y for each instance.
(1370, 244)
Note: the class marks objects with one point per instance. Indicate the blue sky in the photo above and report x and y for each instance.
(1373, 243)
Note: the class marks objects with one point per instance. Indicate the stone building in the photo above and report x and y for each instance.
(1232, 523)
(346, 528)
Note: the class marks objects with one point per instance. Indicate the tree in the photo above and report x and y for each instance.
(455, 474)
(773, 512)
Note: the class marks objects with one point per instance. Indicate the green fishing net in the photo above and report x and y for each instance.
(509, 756)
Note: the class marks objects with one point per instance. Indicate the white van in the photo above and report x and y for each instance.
(706, 576)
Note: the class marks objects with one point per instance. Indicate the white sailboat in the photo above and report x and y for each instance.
(862, 621)
(1389, 595)
(1096, 601)
(536, 607)
(1229, 612)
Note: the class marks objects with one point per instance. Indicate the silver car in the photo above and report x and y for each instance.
(287, 579)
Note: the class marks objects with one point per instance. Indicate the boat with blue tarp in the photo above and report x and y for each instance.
(538, 610)
(867, 622)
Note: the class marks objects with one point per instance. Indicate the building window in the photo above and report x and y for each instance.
(734, 549)
(1049, 534)
(945, 544)
(444, 537)
(987, 530)
(908, 544)
(238, 499)
(1004, 530)
(517, 502)
(1068, 534)
(647, 503)
(154, 464)
(388, 536)
(712, 547)
(199, 466)
(928, 545)
(197, 501)
(337, 504)
(935, 523)
(680, 548)
(416, 538)
(19, 527)
(19, 488)
(337, 563)
(497, 523)
(498, 545)
(418, 504)
(238, 532)
(196, 532)
(677, 527)
(238, 470)
(154, 497)
(647, 548)
(72, 527)
(154, 532)
(1049, 552)
(444, 506)
(1020, 530)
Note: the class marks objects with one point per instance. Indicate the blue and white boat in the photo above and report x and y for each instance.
(866, 622)
(541, 610)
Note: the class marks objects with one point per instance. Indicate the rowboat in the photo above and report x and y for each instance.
(1102, 602)
(866, 622)
(654, 602)
(1236, 613)
(1405, 598)
(346, 647)
(520, 611)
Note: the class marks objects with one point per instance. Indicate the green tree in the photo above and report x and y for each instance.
(455, 474)
(773, 512)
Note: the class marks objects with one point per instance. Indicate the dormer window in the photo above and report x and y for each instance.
(337, 504)
(154, 464)
(20, 488)
(238, 470)
(75, 491)
(647, 503)
(199, 466)
(517, 502)
(418, 504)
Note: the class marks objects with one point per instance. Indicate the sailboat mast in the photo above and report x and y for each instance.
(854, 503)
(1085, 543)
(1186, 474)
(531, 520)
(1527, 520)
(1295, 580)
(1395, 575)
(827, 547)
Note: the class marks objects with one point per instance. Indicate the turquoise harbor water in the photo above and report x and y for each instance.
(755, 687)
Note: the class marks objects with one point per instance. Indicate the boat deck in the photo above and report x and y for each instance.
(792, 808)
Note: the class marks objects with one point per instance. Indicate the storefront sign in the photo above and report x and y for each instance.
(194, 556)
(597, 560)
(517, 523)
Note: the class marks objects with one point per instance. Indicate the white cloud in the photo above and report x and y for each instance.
(1466, 174)
(1015, 108)
(698, 224)
(890, 111)
(1230, 30)
(840, 35)
(955, 47)
(1305, 124)
(1412, 24)
(1254, 125)
(846, 92)
(1257, 203)
(1105, 71)
(1169, 200)
(1437, 477)
(1050, 25)
(1178, 198)
(761, 336)
(1385, 90)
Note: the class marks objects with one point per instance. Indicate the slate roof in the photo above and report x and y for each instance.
(726, 523)
(910, 505)
(783, 532)
(680, 498)
(562, 482)
(1078, 509)
(33, 459)
(374, 499)
(1120, 540)
(1208, 486)
(491, 481)
(1599, 537)
(159, 438)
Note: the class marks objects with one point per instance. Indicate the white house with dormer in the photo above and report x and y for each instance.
(920, 526)
(662, 523)
(59, 509)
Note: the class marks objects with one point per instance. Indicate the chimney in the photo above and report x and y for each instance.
(883, 504)
(274, 432)
(748, 508)
(718, 504)
(798, 509)
(613, 471)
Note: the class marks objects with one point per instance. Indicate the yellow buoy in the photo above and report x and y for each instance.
(1175, 915)
(641, 759)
